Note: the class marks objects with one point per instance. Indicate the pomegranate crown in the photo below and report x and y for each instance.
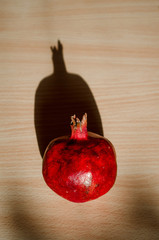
(79, 128)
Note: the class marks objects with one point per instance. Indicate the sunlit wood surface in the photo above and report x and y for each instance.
(114, 47)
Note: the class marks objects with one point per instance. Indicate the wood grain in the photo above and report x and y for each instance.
(114, 47)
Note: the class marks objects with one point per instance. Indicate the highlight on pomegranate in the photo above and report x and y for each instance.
(80, 167)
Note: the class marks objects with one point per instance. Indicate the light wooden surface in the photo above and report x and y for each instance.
(114, 46)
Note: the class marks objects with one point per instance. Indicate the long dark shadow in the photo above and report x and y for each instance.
(58, 97)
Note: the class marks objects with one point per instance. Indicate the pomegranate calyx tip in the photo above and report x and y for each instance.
(79, 128)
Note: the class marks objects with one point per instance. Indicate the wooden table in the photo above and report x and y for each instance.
(114, 47)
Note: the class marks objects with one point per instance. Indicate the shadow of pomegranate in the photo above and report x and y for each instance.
(60, 96)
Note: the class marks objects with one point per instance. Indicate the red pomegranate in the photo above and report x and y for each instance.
(81, 167)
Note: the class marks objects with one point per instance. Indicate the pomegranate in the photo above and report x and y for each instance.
(81, 167)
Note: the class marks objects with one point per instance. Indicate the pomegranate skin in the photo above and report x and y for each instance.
(82, 169)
